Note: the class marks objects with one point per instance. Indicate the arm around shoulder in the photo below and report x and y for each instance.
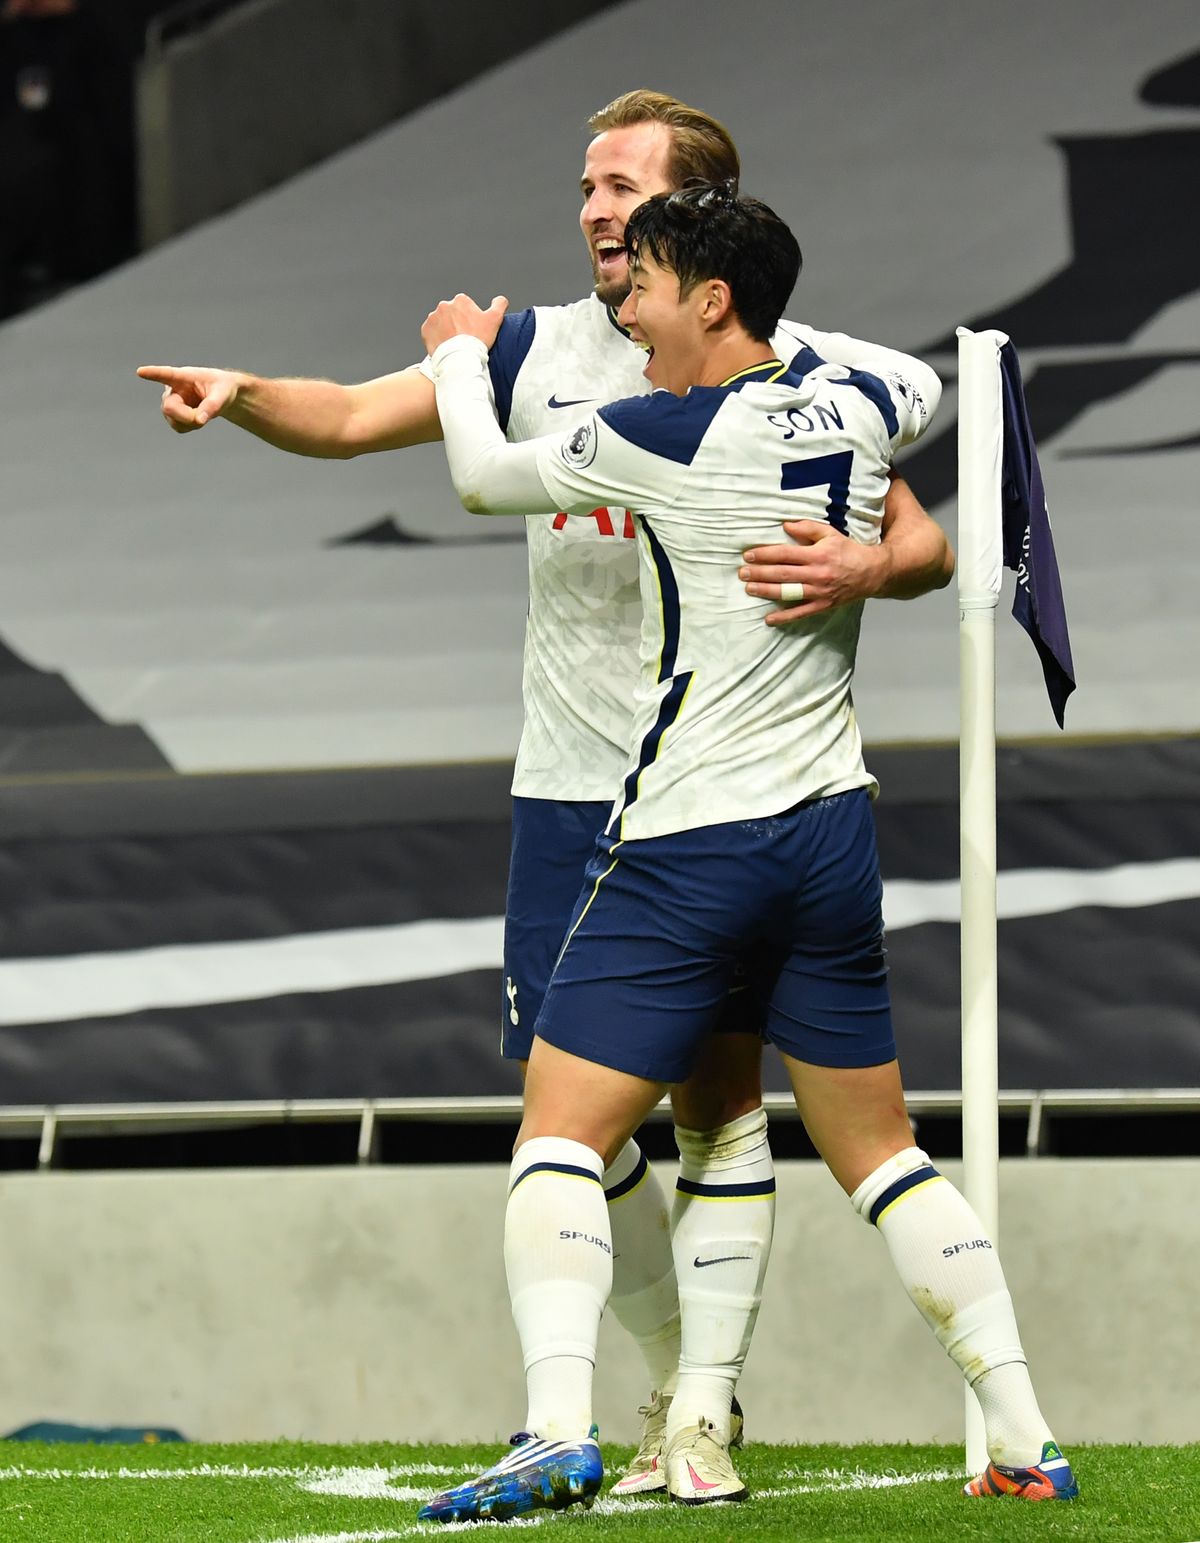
(923, 386)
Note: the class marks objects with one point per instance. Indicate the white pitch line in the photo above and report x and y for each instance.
(836, 1480)
(233, 1471)
(346, 1537)
(829, 1481)
(203, 1471)
(841, 1482)
(362, 1484)
(412, 1470)
(417, 1530)
(376, 1483)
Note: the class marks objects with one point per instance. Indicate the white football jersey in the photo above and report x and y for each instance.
(551, 367)
(733, 719)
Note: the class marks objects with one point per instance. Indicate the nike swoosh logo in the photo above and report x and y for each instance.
(575, 402)
(702, 1264)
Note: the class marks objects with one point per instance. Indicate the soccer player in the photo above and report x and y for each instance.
(549, 366)
(743, 827)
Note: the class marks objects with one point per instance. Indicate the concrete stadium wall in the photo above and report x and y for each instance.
(369, 1303)
(277, 85)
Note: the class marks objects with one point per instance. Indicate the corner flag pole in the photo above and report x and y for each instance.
(980, 447)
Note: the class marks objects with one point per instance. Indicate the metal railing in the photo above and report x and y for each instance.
(52, 1123)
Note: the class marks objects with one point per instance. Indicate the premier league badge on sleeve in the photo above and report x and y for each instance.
(909, 394)
(580, 450)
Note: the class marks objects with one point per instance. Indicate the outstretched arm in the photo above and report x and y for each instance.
(913, 558)
(307, 417)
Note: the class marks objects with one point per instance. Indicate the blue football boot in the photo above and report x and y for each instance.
(535, 1476)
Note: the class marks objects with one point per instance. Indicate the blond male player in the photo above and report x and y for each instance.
(549, 367)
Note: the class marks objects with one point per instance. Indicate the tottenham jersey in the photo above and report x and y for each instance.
(732, 719)
(551, 367)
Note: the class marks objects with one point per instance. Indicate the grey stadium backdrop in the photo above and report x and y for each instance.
(318, 640)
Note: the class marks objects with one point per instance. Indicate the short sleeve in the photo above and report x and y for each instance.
(505, 358)
(615, 457)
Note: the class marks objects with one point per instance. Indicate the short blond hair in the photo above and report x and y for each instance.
(700, 145)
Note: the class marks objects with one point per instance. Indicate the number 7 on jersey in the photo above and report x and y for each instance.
(831, 471)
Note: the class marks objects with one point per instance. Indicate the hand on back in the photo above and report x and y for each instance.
(817, 570)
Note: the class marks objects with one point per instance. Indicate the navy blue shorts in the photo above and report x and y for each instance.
(552, 844)
(661, 924)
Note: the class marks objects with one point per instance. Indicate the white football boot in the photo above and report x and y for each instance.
(698, 1467)
(645, 1474)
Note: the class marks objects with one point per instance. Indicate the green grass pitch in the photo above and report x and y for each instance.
(290, 1492)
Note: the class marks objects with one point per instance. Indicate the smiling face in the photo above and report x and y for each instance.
(672, 325)
(623, 168)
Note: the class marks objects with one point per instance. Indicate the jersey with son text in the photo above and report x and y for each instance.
(551, 367)
(734, 720)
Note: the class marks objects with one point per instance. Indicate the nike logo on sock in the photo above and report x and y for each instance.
(574, 402)
(702, 1264)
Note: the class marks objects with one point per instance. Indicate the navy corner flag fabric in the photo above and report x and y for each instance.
(1028, 543)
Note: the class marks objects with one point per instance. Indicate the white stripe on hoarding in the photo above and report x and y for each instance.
(58, 990)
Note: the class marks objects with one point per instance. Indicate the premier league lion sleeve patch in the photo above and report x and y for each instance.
(599, 463)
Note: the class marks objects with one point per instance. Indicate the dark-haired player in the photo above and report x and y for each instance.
(743, 829)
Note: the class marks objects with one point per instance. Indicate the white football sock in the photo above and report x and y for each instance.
(1016, 1427)
(952, 1273)
(644, 1297)
(723, 1219)
(558, 1255)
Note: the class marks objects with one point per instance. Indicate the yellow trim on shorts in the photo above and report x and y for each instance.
(588, 906)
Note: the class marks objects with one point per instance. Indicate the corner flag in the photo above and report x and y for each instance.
(1002, 521)
(1028, 543)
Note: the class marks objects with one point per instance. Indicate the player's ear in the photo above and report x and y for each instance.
(718, 302)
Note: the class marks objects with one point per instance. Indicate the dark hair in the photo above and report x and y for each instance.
(705, 231)
(700, 145)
